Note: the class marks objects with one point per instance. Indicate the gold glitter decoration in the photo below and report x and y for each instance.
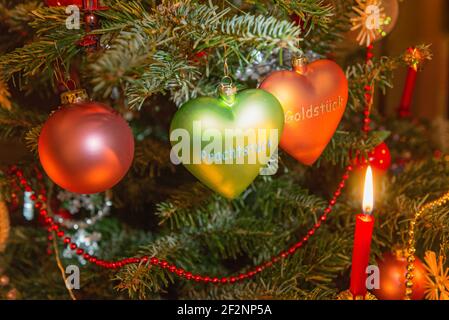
(415, 57)
(437, 286)
(411, 240)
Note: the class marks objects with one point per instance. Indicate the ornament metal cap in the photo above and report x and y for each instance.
(227, 91)
(74, 96)
(299, 64)
(347, 295)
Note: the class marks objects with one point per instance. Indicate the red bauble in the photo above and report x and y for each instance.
(393, 268)
(60, 3)
(86, 147)
(199, 57)
(65, 214)
(379, 159)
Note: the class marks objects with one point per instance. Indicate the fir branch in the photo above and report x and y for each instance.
(150, 54)
(310, 273)
(344, 143)
(142, 281)
(378, 73)
(48, 20)
(184, 206)
(416, 139)
(40, 56)
(32, 138)
(312, 14)
(420, 182)
(15, 122)
(164, 74)
(54, 43)
(151, 157)
(17, 17)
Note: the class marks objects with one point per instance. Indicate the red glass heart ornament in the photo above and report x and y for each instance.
(314, 98)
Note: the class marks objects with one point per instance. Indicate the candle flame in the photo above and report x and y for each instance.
(368, 192)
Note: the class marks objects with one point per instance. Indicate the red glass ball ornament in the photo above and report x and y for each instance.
(86, 147)
(379, 158)
(393, 267)
(91, 20)
(59, 3)
(65, 214)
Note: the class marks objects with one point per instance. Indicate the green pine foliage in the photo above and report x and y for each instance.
(149, 63)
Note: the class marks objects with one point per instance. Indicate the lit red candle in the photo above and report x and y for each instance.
(362, 239)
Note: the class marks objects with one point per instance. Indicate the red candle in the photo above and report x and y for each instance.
(407, 95)
(414, 57)
(360, 255)
(362, 239)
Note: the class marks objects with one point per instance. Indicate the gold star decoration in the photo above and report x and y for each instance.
(437, 284)
(369, 19)
(415, 57)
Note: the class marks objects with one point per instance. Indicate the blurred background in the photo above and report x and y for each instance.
(421, 22)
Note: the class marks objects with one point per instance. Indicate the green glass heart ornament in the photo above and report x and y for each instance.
(224, 142)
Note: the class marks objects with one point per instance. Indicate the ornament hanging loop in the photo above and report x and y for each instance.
(226, 88)
(226, 68)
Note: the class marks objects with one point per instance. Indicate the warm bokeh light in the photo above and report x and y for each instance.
(368, 192)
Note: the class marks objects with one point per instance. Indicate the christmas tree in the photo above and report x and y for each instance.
(94, 182)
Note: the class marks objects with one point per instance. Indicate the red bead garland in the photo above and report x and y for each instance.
(54, 226)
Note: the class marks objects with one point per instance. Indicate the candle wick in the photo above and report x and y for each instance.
(368, 210)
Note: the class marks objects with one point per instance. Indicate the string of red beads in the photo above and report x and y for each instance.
(54, 228)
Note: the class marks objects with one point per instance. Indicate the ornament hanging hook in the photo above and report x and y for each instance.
(227, 89)
(226, 82)
(299, 60)
(226, 68)
(62, 75)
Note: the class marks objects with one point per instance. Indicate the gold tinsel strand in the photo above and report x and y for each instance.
(4, 225)
(411, 242)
